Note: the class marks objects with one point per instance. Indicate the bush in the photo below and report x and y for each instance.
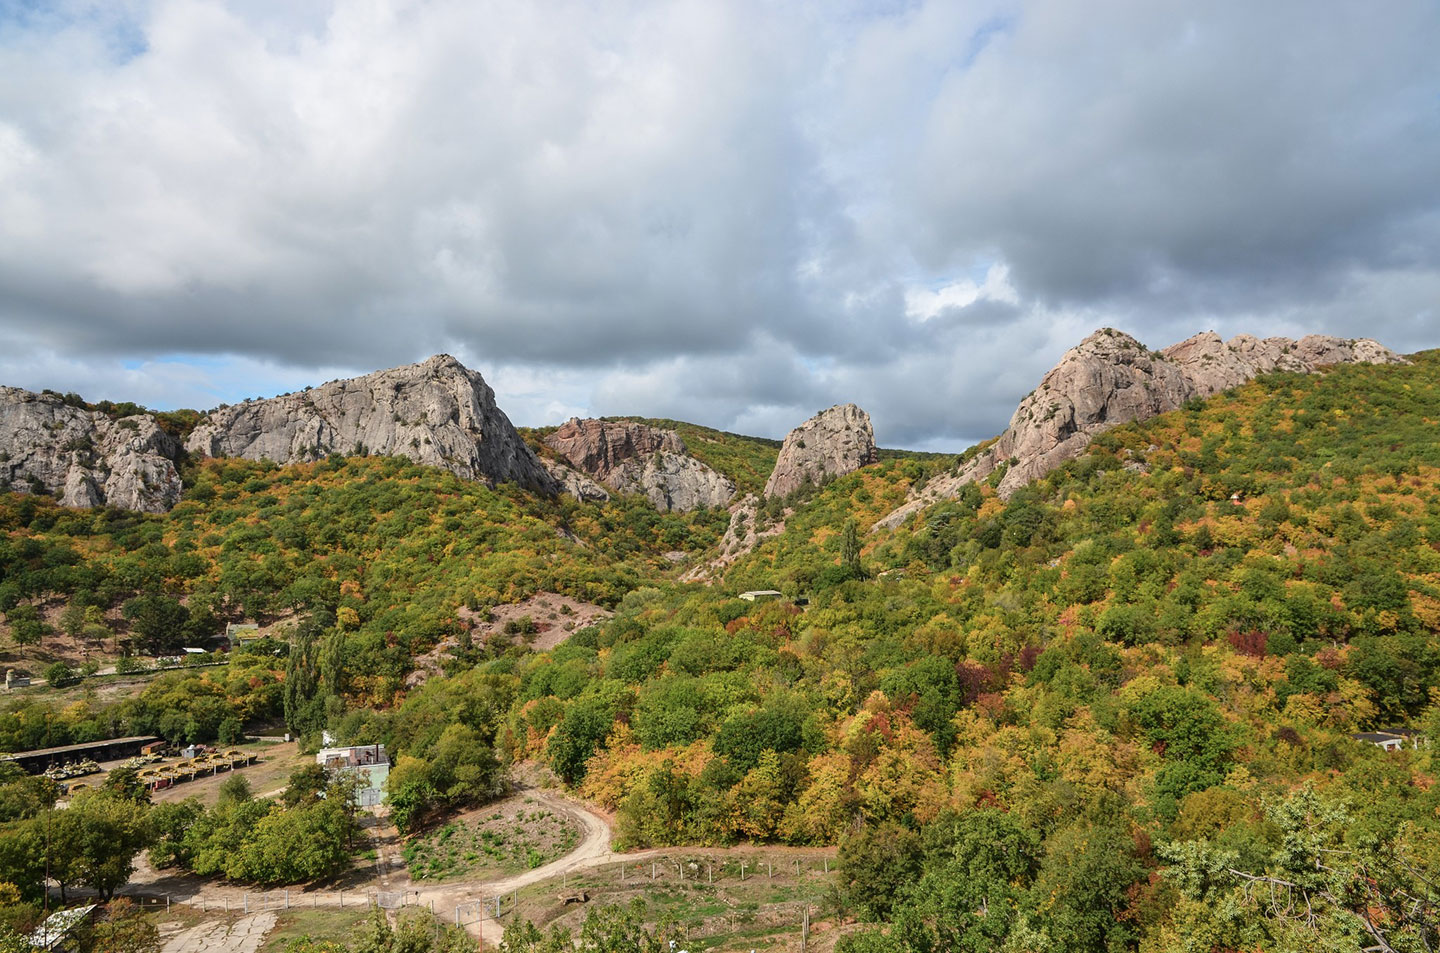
(61, 675)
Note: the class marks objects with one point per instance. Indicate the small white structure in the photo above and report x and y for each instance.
(1390, 740)
(55, 933)
(369, 764)
(762, 595)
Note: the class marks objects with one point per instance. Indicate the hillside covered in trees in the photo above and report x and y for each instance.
(1111, 712)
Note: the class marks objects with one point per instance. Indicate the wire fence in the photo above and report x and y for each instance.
(247, 902)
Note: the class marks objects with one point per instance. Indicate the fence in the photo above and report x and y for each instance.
(707, 870)
(283, 899)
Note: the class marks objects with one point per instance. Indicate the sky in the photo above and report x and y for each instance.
(731, 213)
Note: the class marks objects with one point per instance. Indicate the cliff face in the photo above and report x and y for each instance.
(1108, 379)
(83, 457)
(438, 413)
(1111, 379)
(832, 443)
(631, 457)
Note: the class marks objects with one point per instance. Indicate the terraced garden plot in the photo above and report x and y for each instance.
(512, 836)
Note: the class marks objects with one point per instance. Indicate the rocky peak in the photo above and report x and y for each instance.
(1107, 379)
(834, 442)
(631, 457)
(84, 457)
(438, 413)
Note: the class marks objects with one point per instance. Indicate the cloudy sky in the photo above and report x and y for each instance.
(728, 212)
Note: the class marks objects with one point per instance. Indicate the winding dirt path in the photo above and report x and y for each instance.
(593, 850)
(389, 875)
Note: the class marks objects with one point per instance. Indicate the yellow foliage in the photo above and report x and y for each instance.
(818, 814)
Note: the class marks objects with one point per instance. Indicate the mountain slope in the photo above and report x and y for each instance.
(1110, 379)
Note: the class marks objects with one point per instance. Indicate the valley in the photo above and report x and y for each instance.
(1083, 687)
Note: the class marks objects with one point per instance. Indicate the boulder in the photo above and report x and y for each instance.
(832, 443)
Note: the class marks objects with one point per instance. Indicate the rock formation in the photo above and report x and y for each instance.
(84, 457)
(832, 443)
(575, 483)
(1212, 365)
(630, 457)
(438, 413)
(1111, 379)
(742, 535)
(1108, 379)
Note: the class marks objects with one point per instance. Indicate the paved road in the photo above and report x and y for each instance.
(216, 936)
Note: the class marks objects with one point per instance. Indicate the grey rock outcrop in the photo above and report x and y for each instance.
(1212, 365)
(834, 442)
(84, 457)
(1111, 379)
(575, 483)
(438, 413)
(1108, 379)
(630, 457)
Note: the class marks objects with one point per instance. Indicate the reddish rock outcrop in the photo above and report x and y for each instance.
(631, 457)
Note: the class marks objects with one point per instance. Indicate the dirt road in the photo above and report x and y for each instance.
(389, 877)
(592, 851)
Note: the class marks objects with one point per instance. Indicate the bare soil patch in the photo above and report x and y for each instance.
(267, 776)
(542, 622)
(553, 618)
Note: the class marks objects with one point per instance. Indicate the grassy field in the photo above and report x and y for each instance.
(334, 924)
(704, 893)
(508, 837)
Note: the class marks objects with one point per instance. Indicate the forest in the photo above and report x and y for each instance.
(1113, 712)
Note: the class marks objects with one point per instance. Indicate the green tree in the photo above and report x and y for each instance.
(157, 620)
(124, 782)
(585, 725)
(877, 863)
(850, 550)
(95, 840)
(124, 929)
(1331, 889)
(304, 706)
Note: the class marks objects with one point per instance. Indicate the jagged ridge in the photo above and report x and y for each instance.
(1111, 379)
(438, 413)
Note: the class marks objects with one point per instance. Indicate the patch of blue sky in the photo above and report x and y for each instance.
(977, 271)
(115, 23)
(984, 35)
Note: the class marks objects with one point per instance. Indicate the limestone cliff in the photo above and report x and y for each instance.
(438, 413)
(1110, 379)
(630, 457)
(84, 457)
(832, 443)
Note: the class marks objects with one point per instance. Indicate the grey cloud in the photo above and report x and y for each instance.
(713, 211)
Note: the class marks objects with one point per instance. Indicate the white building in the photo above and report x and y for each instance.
(369, 764)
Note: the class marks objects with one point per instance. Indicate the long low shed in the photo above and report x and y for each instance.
(38, 760)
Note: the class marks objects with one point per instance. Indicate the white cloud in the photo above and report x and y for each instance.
(922, 304)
